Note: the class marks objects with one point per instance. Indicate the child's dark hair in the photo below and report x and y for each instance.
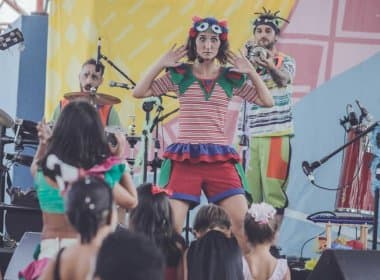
(192, 50)
(211, 216)
(259, 232)
(153, 217)
(78, 138)
(89, 206)
(128, 255)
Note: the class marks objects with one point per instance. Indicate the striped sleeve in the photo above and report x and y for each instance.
(247, 91)
(163, 85)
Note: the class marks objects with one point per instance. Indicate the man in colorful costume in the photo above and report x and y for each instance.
(269, 129)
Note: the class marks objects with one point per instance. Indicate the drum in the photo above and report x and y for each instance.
(26, 130)
(5, 119)
(355, 195)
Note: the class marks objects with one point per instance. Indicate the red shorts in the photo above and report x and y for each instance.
(218, 181)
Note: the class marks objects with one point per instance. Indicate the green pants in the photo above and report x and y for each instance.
(267, 170)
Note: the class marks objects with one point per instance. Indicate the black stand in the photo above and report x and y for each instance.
(309, 168)
(187, 228)
(375, 220)
(132, 141)
(156, 162)
(3, 172)
(119, 70)
(147, 107)
(244, 139)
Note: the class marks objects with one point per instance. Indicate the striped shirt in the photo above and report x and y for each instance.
(202, 121)
(276, 120)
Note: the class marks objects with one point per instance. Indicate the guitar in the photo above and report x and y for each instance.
(10, 39)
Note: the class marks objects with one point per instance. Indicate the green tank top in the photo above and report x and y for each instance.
(50, 198)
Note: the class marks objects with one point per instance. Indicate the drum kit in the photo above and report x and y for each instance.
(93, 97)
(25, 133)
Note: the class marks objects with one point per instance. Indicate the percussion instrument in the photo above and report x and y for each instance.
(5, 119)
(94, 98)
(355, 194)
(26, 130)
(254, 51)
(19, 159)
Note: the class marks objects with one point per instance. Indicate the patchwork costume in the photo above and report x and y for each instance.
(270, 130)
(202, 149)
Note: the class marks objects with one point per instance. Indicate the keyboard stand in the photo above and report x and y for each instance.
(332, 220)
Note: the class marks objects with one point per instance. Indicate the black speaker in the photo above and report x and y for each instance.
(347, 265)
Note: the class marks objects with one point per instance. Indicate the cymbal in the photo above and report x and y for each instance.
(94, 98)
(5, 119)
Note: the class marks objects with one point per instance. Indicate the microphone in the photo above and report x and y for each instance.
(120, 85)
(352, 116)
(308, 170)
(98, 57)
(363, 112)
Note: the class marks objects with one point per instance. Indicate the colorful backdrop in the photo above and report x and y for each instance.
(334, 42)
(134, 35)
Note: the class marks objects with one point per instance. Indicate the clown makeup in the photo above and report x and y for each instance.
(207, 45)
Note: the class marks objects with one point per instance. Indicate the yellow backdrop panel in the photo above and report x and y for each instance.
(134, 33)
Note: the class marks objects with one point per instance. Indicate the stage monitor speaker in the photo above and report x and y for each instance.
(347, 265)
(23, 255)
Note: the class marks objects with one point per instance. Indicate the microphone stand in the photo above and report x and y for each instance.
(118, 69)
(375, 219)
(3, 172)
(156, 162)
(316, 164)
(244, 139)
(147, 107)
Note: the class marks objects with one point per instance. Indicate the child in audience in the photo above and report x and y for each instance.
(78, 139)
(90, 210)
(260, 228)
(153, 217)
(215, 254)
(129, 255)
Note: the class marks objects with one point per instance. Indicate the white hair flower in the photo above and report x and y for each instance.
(262, 212)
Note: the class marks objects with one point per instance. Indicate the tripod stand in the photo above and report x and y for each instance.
(156, 162)
(147, 107)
